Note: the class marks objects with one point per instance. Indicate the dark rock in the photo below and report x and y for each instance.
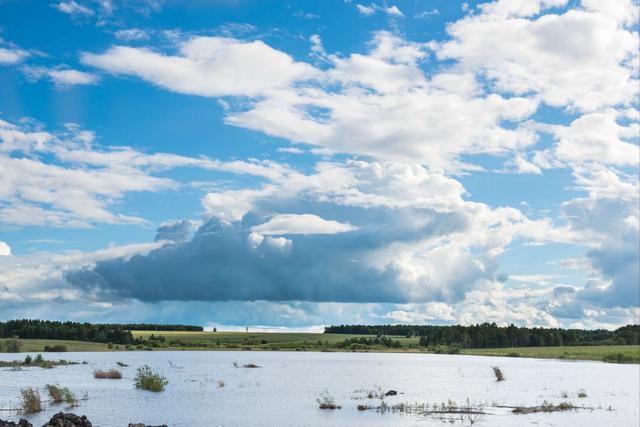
(21, 423)
(391, 393)
(68, 420)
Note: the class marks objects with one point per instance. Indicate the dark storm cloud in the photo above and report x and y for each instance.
(225, 261)
(177, 231)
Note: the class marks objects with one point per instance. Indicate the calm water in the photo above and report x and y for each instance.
(283, 391)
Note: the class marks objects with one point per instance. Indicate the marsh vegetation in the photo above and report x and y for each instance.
(326, 401)
(148, 379)
(111, 374)
(59, 394)
(30, 401)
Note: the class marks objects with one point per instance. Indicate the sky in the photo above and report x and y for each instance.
(295, 164)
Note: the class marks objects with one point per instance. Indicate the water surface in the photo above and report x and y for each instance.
(284, 389)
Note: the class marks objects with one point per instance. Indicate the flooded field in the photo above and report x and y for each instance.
(214, 388)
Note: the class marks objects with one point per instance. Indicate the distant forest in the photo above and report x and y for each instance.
(113, 333)
(490, 335)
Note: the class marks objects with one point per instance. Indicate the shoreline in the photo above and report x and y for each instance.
(537, 353)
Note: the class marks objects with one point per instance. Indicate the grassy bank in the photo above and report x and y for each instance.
(179, 340)
(631, 353)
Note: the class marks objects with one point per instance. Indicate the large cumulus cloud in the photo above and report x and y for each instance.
(229, 261)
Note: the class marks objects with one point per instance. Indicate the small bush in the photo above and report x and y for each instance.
(147, 379)
(582, 393)
(513, 354)
(111, 374)
(220, 383)
(30, 401)
(498, 373)
(28, 360)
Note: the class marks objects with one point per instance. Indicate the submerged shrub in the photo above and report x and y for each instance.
(59, 394)
(326, 401)
(112, 374)
(498, 373)
(30, 401)
(147, 379)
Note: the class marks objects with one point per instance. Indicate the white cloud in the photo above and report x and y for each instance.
(79, 183)
(207, 66)
(290, 150)
(301, 224)
(597, 137)
(581, 59)
(427, 13)
(365, 10)
(69, 77)
(10, 56)
(5, 250)
(132, 34)
(61, 76)
(373, 8)
(73, 8)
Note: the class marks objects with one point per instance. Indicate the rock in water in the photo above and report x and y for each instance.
(21, 423)
(391, 393)
(68, 420)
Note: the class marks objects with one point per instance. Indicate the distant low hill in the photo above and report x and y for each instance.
(490, 335)
(117, 333)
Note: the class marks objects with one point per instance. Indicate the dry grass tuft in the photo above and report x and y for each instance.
(112, 374)
(30, 401)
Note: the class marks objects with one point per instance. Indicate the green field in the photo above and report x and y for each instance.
(293, 341)
(598, 352)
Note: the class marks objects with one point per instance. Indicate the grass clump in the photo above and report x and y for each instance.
(498, 373)
(150, 380)
(59, 394)
(326, 401)
(545, 407)
(111, 374)
(30, 401)
(582, 393)
(220, 383)
(246, 365)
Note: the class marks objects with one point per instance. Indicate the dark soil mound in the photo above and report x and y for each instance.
(68, 420)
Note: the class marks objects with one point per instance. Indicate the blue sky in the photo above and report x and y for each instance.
(297, 164)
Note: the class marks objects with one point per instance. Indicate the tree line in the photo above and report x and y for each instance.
(98, 332)
(490, 335)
